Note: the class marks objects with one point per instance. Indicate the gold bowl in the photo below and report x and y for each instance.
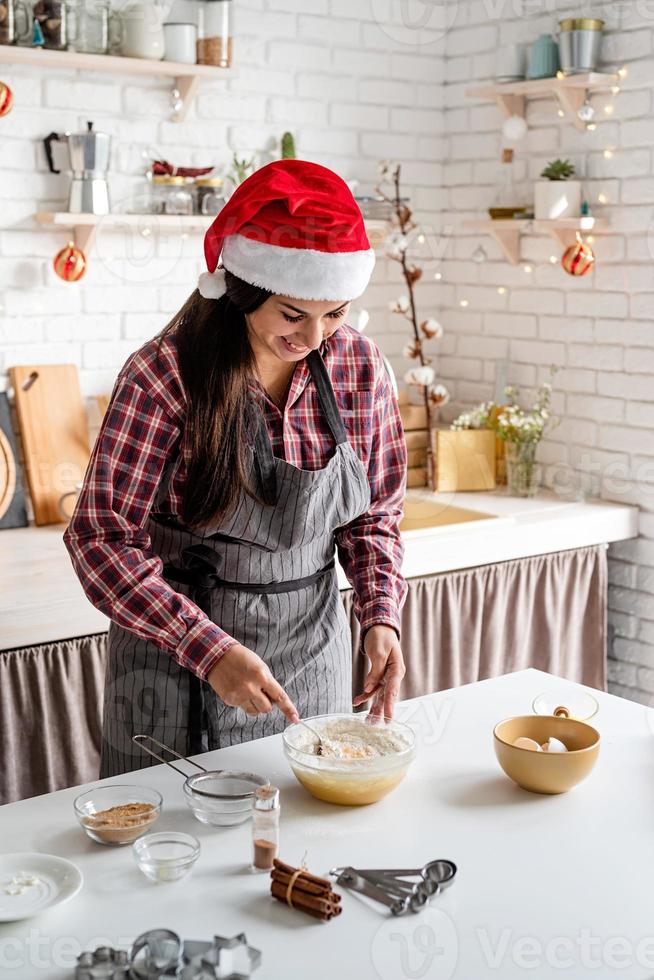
(546, 772)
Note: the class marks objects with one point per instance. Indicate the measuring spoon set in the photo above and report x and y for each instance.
(399, 889)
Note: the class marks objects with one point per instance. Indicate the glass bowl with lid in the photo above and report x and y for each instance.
(362, 761)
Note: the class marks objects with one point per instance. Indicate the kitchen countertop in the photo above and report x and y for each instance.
(41, 600)
(544, 886)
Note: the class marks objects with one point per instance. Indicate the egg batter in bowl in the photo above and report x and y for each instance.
(359, 762)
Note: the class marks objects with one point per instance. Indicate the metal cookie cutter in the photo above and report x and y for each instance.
(160, 954)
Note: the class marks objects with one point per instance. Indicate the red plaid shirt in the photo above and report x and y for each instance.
(143, 427)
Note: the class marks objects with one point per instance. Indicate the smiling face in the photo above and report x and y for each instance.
(287, 329)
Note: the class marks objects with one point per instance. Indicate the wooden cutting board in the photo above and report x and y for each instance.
(53, 427)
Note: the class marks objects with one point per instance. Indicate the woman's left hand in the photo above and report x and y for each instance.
(387, 669)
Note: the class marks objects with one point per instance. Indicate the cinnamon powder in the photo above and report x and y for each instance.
(265, 852)
(121, 824)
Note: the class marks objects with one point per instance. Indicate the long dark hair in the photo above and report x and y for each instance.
(216, 360)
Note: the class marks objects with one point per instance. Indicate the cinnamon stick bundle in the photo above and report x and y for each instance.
(308, 893)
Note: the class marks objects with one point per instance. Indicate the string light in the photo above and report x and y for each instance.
(615, 89)
(591, 127)
(602, 198)
(560, 74)
(561, 113)
(608, 109)
(463, 302)
(590, 239)
(438, 276)
(421, 239)
(553, 259)
(501, 290)
(608, 154)
(527, 268)
(146, 232)
(622, 73)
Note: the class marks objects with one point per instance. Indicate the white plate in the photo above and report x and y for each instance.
(58, 880)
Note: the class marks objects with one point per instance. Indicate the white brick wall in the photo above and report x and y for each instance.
(357, 82)
(598, 329)
(345, 78)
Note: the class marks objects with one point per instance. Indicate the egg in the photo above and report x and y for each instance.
(527, 743)
(554, 745)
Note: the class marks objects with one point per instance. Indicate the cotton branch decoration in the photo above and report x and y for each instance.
(422, 376)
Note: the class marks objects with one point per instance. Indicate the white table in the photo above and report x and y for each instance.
(543, 881)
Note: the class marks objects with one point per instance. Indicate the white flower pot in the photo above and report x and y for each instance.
(557, 199)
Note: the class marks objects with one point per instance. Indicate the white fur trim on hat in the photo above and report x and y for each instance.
(212, 284)
(304, 273)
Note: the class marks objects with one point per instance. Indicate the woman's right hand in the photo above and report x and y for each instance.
(242, 680)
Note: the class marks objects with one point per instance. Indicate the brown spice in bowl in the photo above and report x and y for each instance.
(121, 824)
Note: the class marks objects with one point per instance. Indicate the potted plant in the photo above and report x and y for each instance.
(557, 196)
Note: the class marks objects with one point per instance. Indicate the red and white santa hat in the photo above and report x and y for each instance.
(294, 228)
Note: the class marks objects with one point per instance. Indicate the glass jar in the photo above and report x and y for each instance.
(92, 27)
(53, 21)
(523, 473)
(507, 202)
(215, 33)
(172, 195)
(208, 195)
(15, 22)
(265, 827)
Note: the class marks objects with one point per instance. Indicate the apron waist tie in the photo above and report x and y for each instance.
(201, 577)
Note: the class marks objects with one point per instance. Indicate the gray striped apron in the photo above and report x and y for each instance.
(266, 575)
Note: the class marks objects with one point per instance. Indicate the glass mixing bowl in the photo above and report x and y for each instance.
(353, 781)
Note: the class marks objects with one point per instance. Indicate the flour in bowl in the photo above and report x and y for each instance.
(345, 739)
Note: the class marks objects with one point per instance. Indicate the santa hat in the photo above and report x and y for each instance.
(294, 228)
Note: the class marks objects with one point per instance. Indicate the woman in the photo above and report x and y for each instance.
(241, 445)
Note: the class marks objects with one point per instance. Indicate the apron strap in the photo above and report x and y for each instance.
(326, 396)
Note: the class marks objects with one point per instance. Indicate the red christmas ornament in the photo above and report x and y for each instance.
(70, 263)
(6, 99)
(578, 258)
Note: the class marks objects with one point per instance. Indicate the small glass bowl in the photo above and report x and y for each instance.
(579, 704)
(90, 809)
(222, 798)
(166, 856)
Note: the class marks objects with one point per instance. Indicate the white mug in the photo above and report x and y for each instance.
(181, 40)
(511, 61)
(66, 510)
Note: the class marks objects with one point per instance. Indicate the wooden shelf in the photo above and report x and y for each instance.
(186, 77)
(570, 92)
(507, 232)
(85, 226)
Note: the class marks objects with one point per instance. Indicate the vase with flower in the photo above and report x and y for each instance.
(520, 430)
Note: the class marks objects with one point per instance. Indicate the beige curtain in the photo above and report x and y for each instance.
(50, 700)
(547, 612)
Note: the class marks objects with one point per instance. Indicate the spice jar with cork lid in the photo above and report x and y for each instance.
(265, 827)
